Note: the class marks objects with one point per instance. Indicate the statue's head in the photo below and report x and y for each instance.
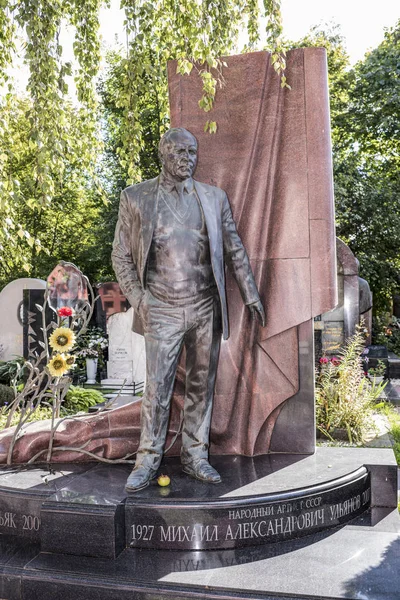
(178, 153)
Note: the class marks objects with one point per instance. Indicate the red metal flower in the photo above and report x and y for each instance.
(65, 311)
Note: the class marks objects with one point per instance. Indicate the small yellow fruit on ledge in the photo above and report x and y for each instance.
(163, 480)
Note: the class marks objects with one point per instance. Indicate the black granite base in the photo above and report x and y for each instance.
(392, 392)
(78, 513)
(393, 366)
(356, 561)
(23, 492)
(237, 521)
(86, 517)
(84, 509)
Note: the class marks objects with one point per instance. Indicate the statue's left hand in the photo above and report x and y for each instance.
(257, 310)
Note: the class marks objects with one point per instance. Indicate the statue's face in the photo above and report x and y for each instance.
(179, 157)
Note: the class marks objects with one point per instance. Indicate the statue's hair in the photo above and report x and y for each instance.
(165, 139)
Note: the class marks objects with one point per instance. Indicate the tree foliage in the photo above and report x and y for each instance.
(153, 116)
(40, 140)
(43, 233)
(55, 146)
(367, 160)
(365, 117)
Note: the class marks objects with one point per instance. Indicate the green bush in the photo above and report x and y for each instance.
(6, 394)
(40, 414)
(12, 369)
(344, 396)
(80, 399)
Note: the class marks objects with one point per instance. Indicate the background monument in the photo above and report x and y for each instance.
(354, 304)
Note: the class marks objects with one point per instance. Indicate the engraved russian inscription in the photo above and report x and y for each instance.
(15, 522)
(7, 519)
(222, 527)
(180, 533)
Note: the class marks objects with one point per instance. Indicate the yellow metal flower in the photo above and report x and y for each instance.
(70, 360)
(57, 365)
(62, 339)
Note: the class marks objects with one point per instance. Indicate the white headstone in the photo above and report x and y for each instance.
(11, 328)
(126, 352)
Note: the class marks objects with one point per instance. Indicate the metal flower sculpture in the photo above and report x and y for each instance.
(71, 297)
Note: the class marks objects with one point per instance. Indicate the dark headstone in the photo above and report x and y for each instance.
(378, 352)
(11, 316)
(396, 305)
(33, 322)
(394, 369)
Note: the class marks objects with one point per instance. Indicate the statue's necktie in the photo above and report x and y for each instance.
(182, 204)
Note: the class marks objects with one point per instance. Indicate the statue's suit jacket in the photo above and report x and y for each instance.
(134, 234)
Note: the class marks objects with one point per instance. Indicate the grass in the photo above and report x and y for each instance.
(394, 422)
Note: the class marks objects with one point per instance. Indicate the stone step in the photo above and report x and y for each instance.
(260, 500)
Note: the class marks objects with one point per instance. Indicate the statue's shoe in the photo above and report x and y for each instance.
(139, 478)
(203, 471)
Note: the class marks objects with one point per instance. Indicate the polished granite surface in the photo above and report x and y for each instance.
(244, 476)
(84, 509)
(102, 485)
(241, 476)
(350, 563)
(41, 479)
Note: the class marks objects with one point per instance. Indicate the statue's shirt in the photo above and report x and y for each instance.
(179, 265)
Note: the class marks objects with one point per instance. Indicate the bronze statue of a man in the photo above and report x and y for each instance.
(172, 240)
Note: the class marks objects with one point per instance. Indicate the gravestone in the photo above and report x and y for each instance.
(66, 286)
(11, 316)
(396, 305)
(126, 351)
(378, 353)
(355, 301)
(112, 299)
